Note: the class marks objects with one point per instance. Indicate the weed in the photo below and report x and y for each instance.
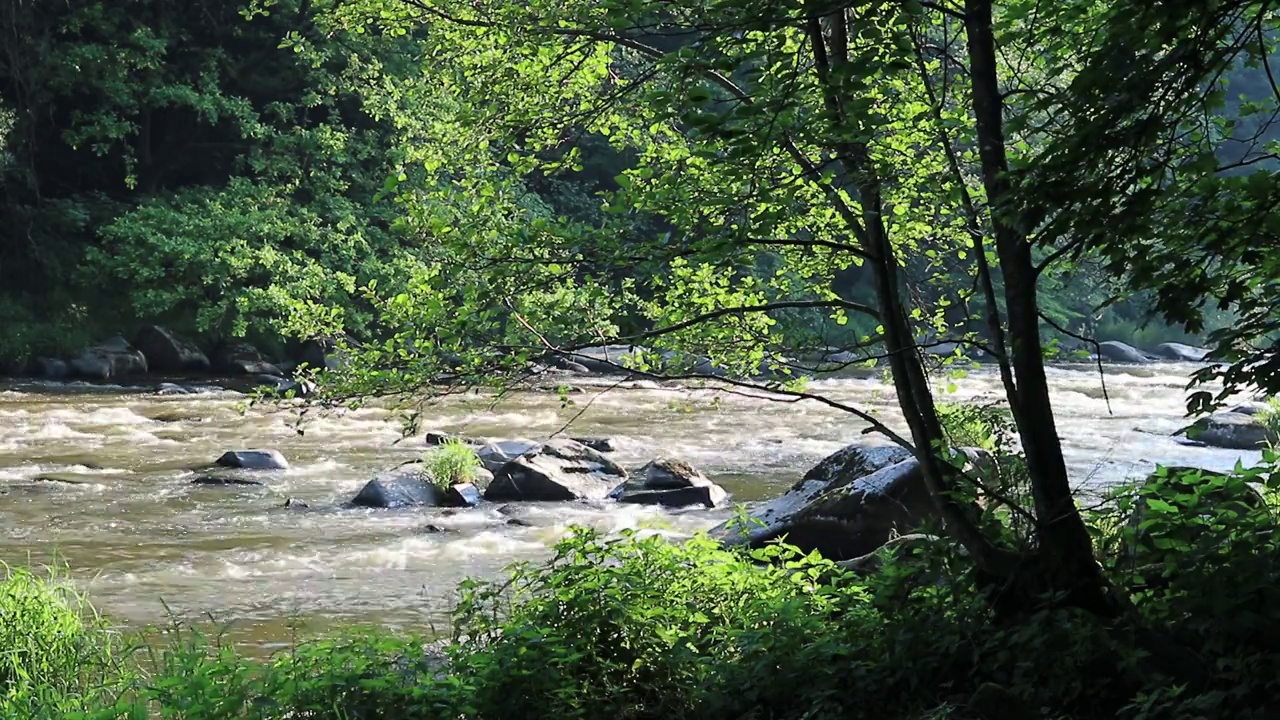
(452, 462)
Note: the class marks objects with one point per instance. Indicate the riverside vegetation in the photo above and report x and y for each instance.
(641, 627)
(906, 183)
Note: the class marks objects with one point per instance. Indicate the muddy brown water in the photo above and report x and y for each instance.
(144, 542)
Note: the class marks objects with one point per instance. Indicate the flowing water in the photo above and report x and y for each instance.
(139, 537)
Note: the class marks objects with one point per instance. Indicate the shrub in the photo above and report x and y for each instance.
(452, 462)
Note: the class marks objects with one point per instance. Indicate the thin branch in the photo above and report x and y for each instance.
(1097, 351)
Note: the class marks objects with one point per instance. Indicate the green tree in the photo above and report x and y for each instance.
(825, 135)
(1163, 164)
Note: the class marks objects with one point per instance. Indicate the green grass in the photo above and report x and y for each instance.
(452, 462)
(56, 655)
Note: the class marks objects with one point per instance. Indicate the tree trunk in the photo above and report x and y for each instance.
(915, 396)
(1065, 561)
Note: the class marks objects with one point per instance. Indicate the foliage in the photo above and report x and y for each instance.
(361, 675)
(1269, 416)
(195, 172)
(452, 462)
(638, 626)
(1164, 169)
(966, 425)
(56, 655)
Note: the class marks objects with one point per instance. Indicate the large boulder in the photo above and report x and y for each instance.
(253, 460)
(1179, 352)
(556, 470)
(406, 486)
(671, 483)
(166, 351)
(847, 506)
(1233, 430)
(112, 358)
(1121, 353)
(494, 455)
(241, 358)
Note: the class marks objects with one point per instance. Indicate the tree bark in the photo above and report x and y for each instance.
(1065, 561)
(915, 396)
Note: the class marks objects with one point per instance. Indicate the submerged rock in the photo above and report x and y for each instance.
(847, 506)
(110, 359)
(253, 460)
(65, 479)
(1233, 430)
(406, 486)
(166, 351)
(1121, 353)
(438, 437)
(556, 470)
(224, 480)
(296, 504)
(1180, 353)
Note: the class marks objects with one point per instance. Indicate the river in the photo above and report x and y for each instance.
(139, 537)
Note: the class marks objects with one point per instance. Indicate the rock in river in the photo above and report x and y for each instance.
(49, 368)
(599, 444)
(671, 474)
(1233, 430)
(847, 506)
(166, 351)
(253, 460)
(1122, 353)
(109, 359)
(673, 483)
(462, 495)
(1180, 353)
(496, 454)
(241, 358)
(556, 470)
(406, 486)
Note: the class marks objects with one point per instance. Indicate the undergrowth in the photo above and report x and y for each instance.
(641, 627)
